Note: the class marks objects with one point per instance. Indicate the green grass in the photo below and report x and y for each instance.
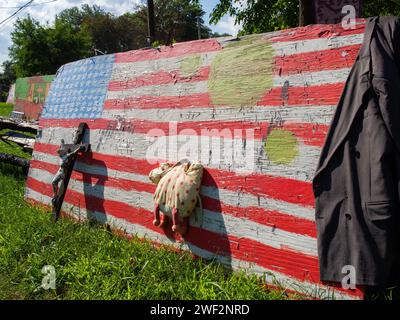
(92, 263)
(12, 148)
(5, 109)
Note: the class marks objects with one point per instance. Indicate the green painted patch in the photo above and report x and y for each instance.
(26, 89)
(190, 65)
(242, 72)
(281, 146)
(22, 88)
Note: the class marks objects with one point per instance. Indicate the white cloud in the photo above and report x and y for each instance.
(227, 25)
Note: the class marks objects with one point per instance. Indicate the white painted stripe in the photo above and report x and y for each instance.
(240, 155)
(271, 277)
(303, 114)
(189, 88)
(303, 46)
(245, 200)
(313, 78)
(124, 71)
(241, 200)
(170, 89)
(212, 221)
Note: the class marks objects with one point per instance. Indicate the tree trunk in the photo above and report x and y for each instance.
(151, 22)
(306, 12)
(23, 127)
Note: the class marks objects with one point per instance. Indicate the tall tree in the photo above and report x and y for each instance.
(38, 49)
(77, 32)
(7, 77)
(177, 20)
(100, 24)
(131, 28)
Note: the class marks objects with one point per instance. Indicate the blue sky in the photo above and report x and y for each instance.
(46, 12)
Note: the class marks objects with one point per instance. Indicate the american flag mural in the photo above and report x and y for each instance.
(255, 111)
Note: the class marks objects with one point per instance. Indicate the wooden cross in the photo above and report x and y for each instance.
(68, 148)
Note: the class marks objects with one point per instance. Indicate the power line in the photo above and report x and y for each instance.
(32, 5)
(16, 12)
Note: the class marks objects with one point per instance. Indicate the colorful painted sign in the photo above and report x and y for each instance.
(10, 98)
(254, 111)
(30, 95)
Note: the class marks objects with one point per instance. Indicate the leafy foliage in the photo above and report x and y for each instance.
(176, 20)
(258, 15)
(108, 33)
(40, 50)
(81, 32)
(269, 15)
(7, 77)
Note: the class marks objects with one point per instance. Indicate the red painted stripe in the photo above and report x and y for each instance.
(261, 185)
(323, 95)
(309, 133)
(151, 102)
(176, 50)
(159, 78)
(315, 61)
(37, 79)
(290, 262)
(318, 31)
(272, 218)
(98, 179)
(327, 94)
(255, 184)
(30, 109)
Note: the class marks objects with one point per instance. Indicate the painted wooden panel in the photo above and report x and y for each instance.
(254, 111)
(11, 93)
(30, 95)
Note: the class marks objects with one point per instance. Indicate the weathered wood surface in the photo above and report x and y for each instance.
(18, 138)
(6, 123)
(254, 111)
(23, 142)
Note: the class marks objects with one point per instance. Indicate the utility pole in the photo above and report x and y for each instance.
(150, 22)
(306, 12)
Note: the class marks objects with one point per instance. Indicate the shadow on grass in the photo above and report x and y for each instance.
(11, 171)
